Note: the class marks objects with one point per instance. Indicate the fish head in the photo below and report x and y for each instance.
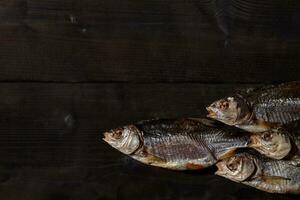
(237, 168)
(274, 143)
(126, 139)
(230, 110)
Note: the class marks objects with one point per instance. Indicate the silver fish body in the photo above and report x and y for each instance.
(274, 176)
(259, 109)
(182, 144)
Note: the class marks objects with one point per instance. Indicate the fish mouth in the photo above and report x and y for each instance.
(113, 135)
(211, 112)
(106, 137)
(220, 170)
(254, 142)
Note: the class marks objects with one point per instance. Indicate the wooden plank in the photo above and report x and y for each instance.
(156, 41)
(51, 148)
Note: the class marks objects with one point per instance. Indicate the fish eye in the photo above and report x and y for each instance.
(267, 136)
(117, 134)
(233, 165)
(224, 105)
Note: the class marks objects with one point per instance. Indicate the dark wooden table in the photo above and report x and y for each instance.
(70, 69)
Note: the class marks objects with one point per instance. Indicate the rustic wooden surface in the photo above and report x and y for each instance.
(149, 41)
(71, 69)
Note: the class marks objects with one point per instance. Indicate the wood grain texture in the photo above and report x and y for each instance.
(149, 41)
(51, 148)
(70, 69)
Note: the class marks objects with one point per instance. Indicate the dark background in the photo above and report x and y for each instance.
(71, 69)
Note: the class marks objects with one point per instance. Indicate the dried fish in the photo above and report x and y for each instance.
(275, 176)
(258, 110)
(177, 144)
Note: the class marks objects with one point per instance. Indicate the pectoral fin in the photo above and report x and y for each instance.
(227, 154)
(148, 158)
(274, 180)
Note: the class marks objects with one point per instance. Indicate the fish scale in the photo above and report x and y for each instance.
(279, 112)
(277, 104)
(179, 140)
(281, 168)
(175, 145)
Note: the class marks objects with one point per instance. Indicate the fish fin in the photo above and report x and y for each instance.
(266, 125)
(258, 126)
(150, 157)
(228, 154)
(153, 158)
(194, 166)
(274, 180)
(245, 91)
